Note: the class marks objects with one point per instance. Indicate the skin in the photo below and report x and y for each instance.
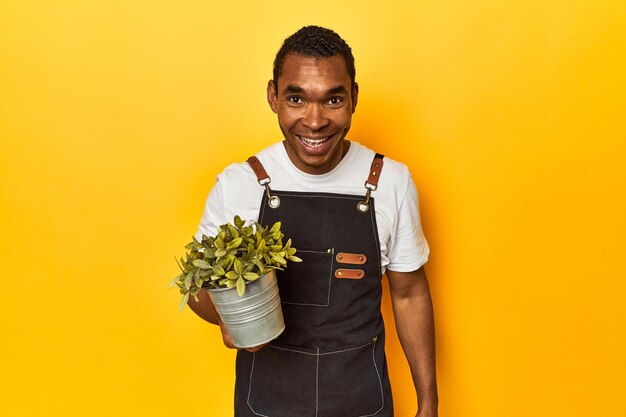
(314, 99)
(413, 313)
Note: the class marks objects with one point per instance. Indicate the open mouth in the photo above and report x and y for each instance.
(313, 143)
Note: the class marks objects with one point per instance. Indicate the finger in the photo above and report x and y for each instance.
(228, 341)
(256, 348)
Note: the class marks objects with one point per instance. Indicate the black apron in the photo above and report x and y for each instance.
(330, 360)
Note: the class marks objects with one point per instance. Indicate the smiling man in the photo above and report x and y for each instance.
(353, 215)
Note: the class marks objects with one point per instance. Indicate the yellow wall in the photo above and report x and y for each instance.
(116, 116)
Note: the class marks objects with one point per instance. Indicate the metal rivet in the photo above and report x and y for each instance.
(340, 273)
(274, 201)
(360, 258)
(363, 207)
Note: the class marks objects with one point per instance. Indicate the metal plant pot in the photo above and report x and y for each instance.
(254, 319)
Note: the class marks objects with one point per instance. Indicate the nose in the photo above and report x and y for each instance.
(315, 117)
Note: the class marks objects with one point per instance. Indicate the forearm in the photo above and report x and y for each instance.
(413, 311)
(204, 307)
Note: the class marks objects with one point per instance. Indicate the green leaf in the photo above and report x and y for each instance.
(179, 265)
(183, 301)
(218, 270)
(275, 227)
(251, 276)
(229, 262)
(233, 231)
(234, 244)
(175, 280)
(188, 279)
(220, 252)
(241, 286)
(195, 245)
(238, 266)
(198, 281)
(184, 264)
(232, 275)
(259, 265)
(294, 258)
(238, 222)
(202, 264)
(279, 259)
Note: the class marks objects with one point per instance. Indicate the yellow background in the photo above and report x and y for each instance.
(116, 116)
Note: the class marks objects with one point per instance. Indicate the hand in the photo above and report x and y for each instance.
(228, 341)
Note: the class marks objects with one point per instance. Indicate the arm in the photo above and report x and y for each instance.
(413, 311)
(205, 309)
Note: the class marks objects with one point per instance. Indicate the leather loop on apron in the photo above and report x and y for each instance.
(264, 179)
(371, 184)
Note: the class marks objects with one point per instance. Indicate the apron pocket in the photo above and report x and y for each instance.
(282, 382)
(350, 382)
(307, 282)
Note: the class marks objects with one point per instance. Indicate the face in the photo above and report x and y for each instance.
(314, 100)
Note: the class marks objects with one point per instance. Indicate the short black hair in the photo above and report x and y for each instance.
(315, 42)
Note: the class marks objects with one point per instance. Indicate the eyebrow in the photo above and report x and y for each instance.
(294, 89)
(338, 90)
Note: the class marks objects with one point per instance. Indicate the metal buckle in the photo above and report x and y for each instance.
(364, 206)
(272, 200)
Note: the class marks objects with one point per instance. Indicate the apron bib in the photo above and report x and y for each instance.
(330, 360)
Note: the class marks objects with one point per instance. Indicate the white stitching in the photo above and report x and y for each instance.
(340, 197)
(317, 355)
(330, 278)
(250, 387)
(318, 350)
(382, 394)
(377, 240)
(317, 382)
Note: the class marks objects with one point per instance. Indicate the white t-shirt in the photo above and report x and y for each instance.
(403, 246)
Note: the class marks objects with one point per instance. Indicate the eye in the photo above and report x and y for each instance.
(335, 101)
(295, 100)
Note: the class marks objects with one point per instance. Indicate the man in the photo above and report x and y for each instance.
(329, 361)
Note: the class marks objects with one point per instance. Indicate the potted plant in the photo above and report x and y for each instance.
(237, 268)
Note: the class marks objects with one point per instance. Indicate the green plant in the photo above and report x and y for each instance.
(237, 254)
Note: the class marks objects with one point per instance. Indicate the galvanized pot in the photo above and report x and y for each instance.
(256, 317)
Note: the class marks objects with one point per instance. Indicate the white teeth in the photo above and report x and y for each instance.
(314, 143)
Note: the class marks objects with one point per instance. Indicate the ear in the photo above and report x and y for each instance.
(355, 96)
(272, 97)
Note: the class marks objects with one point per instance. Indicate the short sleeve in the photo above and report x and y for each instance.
(408, 249)
(213, 214)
